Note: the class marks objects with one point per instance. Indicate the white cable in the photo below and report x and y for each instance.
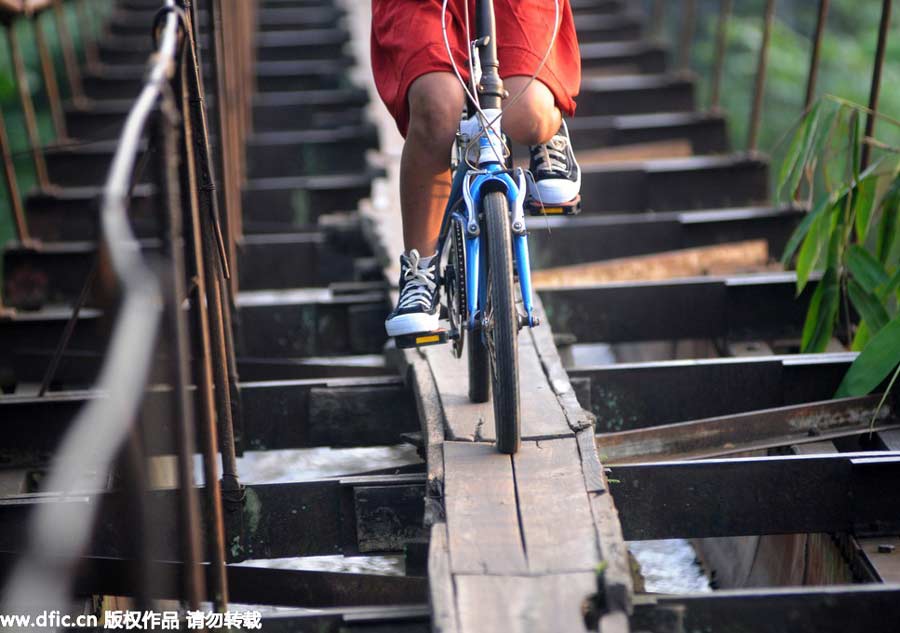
(480, 112)
(472, 97)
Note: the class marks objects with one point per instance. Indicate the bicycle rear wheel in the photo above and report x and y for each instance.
(501, 323)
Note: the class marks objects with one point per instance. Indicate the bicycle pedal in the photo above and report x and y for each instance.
(535, 208)
(422, 339)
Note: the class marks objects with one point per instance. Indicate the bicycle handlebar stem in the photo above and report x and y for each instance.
(490, 91)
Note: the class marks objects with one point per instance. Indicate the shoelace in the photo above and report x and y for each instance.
(420, 284)
(552, 156)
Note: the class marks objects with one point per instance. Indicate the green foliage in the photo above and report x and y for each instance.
(848, 49)
(849, 237)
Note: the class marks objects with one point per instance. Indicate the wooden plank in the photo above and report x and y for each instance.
(577, 417)
(440, 583)
(542, 416)
(554, 508)
(465, 420)
(517, 604)
(482, 519)
(617, 578)
(431, 420)
(721, 259)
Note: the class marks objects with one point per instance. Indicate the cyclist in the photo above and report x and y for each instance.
(415, 80)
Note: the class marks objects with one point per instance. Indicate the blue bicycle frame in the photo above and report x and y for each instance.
(468, 190)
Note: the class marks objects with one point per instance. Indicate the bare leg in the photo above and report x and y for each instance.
(435, 103)
(534, 118)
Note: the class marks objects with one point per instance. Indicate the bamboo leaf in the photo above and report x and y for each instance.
(866, 270)
(892, 284)
(874, 364)
(792, 157)
(792, 167)
(861, 338)
(868, 306)
(837, 237)
(827, 128)
(811, 250)
(855, 145)
(821, 233)
(863, 203)
(887, 225)
(821, 314)
(802, 229)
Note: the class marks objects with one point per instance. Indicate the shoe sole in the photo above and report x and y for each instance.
(405, 324)
(556, 191)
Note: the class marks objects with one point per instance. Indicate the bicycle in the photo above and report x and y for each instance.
(483, 243)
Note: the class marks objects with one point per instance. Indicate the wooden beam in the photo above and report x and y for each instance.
(723, 259)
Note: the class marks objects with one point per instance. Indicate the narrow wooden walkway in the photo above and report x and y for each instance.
(517, 543)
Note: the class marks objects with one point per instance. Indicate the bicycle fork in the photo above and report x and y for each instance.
(476, 277)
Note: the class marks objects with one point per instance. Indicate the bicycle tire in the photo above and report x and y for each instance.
(503, 323)
(479, 368)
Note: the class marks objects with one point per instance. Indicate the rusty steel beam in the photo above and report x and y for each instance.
(287, 260)
(746, 307)
(756, 430)
(639, 395)
(257, 585)
(834, 609)
(590, 238)
(843, 492)
(78, 368)
(323, 517)
(289, 414)
(408, 619)
(279, 324)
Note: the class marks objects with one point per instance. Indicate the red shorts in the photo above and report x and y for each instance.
(407, 43)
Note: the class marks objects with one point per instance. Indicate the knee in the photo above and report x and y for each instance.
(434, 111)
(534, 118)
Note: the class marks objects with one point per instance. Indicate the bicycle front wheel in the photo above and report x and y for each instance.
(501, 323)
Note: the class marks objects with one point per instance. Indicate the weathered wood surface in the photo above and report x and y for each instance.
(482, 513)
(475, 421)
(537, 604)
(442, 595)
(549, 489)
